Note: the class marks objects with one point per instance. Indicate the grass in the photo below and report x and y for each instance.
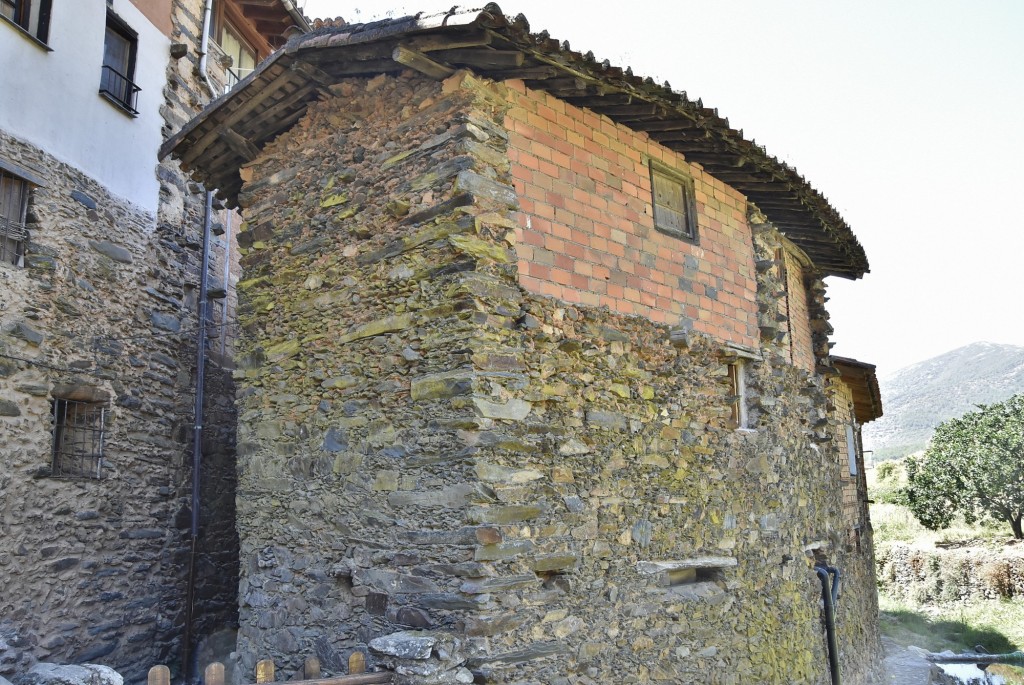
(957, 626)
(996, 625)
(895, 523)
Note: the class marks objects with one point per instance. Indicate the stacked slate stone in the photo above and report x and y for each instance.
(532, 491)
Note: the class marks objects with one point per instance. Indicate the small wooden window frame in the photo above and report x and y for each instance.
(39, 31)
(227, 14)
(738, 419)
(683, 183)
(852, 448)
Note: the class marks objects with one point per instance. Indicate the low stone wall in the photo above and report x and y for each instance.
(552, 491)
(950, 575)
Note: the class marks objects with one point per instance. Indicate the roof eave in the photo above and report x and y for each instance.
(788, 200)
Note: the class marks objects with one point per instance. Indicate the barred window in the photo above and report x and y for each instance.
(78, 437)
(14, 193)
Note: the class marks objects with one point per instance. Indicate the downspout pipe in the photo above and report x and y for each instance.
(834, 572)
(197, 440)
(204, 46)
(828, 591)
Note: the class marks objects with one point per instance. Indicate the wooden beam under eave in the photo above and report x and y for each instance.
(416, 60)
(268, 91)
(613, 111)
(239, 144)
(653, 126)
(314, 72)
(482, 58)
(540, 73)
(714, 161)
(475, 39)
(261, 13)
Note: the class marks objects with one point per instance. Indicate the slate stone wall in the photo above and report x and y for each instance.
(96, 570)
(464, 476)
(93, 569)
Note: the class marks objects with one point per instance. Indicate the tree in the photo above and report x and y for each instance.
(974, 466)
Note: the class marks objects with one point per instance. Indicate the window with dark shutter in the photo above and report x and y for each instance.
(31, 16)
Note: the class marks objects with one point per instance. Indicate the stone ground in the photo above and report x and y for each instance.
(903, 666)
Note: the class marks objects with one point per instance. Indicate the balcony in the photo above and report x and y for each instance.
(120, 90)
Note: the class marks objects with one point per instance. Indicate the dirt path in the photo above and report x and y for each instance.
(903, 666)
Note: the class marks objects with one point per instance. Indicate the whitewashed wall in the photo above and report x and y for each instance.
(51, 98)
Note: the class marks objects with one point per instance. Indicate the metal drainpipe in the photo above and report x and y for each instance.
(204, 46)
(197, 438)
(227, 276)
(828, 591)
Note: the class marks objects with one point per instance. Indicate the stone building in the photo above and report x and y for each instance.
(533, 373)
(100, 274)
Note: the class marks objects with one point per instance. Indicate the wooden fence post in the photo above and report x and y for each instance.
(265, 671)
(159, 675)
(311, 668)
(214, 674)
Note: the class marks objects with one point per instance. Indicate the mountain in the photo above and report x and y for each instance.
(917, 398)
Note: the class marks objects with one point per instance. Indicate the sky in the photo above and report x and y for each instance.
(905, 114)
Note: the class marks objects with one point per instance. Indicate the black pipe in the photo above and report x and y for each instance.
(828, 591)
(834, 572)
(197, 438)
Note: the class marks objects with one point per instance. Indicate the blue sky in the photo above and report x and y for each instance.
(906, 115)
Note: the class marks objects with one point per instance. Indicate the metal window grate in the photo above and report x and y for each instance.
(78, 433)
(14, 194)
(120, 89)
(13, 236)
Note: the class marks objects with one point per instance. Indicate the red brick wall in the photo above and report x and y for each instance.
(842, 398)
(587, 232)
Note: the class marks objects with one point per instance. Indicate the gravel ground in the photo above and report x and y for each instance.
(903, 666)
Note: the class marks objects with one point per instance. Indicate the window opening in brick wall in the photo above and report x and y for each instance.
(78, 438)
(14, 194)
(674, 202)
(120, 44)
(738, 394)
(31, 16)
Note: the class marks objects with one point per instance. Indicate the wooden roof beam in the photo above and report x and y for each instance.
(473, 39)
(482, 58)
(239, 144)
(414, 59)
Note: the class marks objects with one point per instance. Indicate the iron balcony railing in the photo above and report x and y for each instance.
(120, 89)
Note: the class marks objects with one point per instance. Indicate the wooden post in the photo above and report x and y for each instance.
(265, 671)
(311, 668)
(159, 675)
(214, 674)
(356, 663)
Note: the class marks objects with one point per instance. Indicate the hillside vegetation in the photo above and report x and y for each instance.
(949, 589)
(919, 397)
